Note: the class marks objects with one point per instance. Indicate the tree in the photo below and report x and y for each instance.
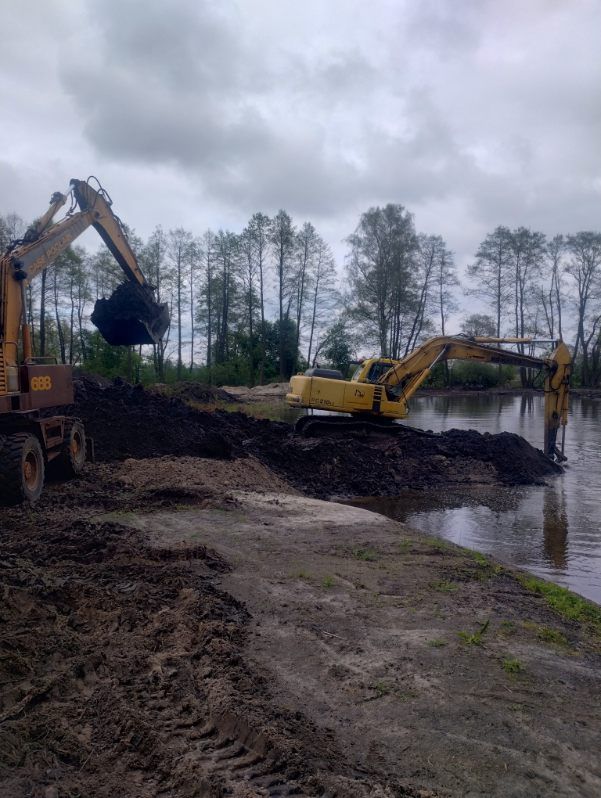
(380, 274)
(552, 297)
(282, 239)
(323, 296)
(178, 250)
(479, 325)
(153, 257)
(337, 346)
(306, 249)
(491, 273)
(250, 277)
(584, 266)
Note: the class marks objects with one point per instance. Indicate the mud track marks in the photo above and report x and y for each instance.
(122, 673)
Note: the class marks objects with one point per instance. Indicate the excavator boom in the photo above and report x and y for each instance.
(381, 388)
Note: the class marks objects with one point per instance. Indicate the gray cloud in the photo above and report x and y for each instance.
(472, 114)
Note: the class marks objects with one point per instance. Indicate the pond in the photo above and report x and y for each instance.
(552, 531)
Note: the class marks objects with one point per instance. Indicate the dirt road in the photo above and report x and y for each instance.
(193, 627)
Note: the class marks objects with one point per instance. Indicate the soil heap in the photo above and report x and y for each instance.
(129, 421)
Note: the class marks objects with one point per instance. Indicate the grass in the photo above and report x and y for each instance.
(475, 638)
(436, 643)
(512, 665)
(368, 555)
(444, 586)
(381, 689)
(550, 635)
(328, 581)
(563, 601)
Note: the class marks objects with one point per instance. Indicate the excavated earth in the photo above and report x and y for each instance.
(183, 620)
(128, 421)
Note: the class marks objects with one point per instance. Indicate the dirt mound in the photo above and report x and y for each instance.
(379, 465)
(129, 422)
(198, 392)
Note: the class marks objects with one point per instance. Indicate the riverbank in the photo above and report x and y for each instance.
(187, 626)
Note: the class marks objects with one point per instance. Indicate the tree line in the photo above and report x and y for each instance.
(256, 305)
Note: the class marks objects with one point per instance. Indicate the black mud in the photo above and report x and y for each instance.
(128, 421)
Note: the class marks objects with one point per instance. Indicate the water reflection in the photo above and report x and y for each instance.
(553, 531)
(555, 525)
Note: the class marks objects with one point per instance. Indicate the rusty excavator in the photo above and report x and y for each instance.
(379, 390)
(30, 437)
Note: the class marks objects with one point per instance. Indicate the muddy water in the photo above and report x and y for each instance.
(552, 531)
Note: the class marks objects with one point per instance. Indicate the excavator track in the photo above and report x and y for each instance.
(320, 426)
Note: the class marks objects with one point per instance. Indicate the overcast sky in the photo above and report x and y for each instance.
(471, 113)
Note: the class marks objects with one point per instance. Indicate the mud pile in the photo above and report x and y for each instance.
(197, 392)
(128, 421)
(380, 465)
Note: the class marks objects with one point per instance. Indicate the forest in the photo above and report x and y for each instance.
(255, 306)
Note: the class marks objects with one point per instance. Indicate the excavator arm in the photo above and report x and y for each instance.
(385, 397)
(130, 316)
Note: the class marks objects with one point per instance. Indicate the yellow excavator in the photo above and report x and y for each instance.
(379, 390)
(30, 439)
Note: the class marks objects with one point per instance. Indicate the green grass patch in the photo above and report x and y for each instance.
(549, 635)
(475, 638)
(381, 689)
(444, 586)
(512, 665)
(368, 555)
(328, 581)
(563, 601)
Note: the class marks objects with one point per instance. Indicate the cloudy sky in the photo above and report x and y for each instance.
(471, 113)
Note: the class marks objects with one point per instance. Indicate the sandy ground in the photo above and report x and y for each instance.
(192, 627)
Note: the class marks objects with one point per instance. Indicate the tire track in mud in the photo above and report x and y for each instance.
(122, 671)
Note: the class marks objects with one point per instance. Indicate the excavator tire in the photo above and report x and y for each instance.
(72, 458)
(21, 469)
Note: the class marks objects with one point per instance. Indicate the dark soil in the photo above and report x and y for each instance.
(198, 392)
(128, 421)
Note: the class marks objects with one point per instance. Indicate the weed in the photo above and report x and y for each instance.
(404, 695)
(564, 602)
(368, 555)
(328, 581)
(436, 643)
(507, 627)
(480, 558)
(438, 544)
(381, 689)
(444, 586)
(512, 666)
(550, 635)
(303, 575)
(474, 639)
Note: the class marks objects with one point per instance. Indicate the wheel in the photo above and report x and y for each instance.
(21, 469)
(72, 458)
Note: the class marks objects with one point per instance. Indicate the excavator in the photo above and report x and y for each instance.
(31, 438)
(379, 390)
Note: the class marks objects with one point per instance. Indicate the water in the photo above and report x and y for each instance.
(552, 531)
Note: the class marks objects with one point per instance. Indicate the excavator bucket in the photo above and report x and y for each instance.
(131, 316)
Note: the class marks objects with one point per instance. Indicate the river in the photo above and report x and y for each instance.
(552, 531)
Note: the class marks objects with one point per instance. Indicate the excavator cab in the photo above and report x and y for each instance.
(130, 316)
